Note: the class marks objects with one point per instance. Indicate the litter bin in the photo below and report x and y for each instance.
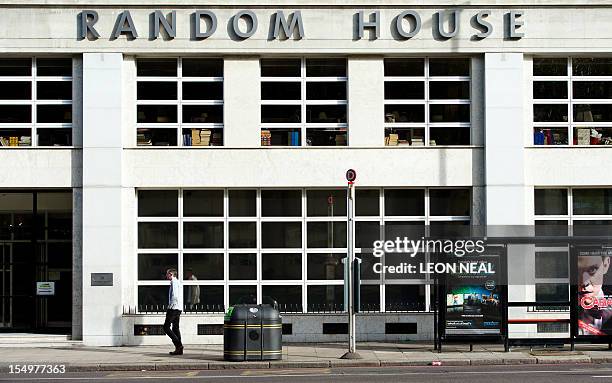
(252, 332)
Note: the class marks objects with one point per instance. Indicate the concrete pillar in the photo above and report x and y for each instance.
(102, 196)
(241, 104)
(366, 107)
(507, 195)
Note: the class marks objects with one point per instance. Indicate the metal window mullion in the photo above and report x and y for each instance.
(179, 117)
(303, 102)
(226, 287)
(426, 92)
(258, 256)
(304, 256)
(34, 114)
(570, 106)
(180, 251)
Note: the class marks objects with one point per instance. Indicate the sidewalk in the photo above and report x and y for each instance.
(320, 355)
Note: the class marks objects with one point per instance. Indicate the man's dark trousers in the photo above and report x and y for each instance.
(172, 318)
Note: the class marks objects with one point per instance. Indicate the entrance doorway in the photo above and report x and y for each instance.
(36, 261)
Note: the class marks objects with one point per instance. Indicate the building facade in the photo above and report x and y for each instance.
(213, 137)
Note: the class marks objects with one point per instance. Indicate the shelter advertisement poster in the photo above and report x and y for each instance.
(594, 292)
(473, 301)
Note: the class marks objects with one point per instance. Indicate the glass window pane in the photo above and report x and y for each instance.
(601, 66)
(281, 266)
(326, 234)
(449, 67)
(324, 114)
(16, 90)
(326, 137)
(449, 229)
(551, 201)
(242, 235)
(400, 136)
(202, 266)
(242, 203)
(156, 137)
(593, 135)
(550, 67)
(404, 90)
(404, 298)
(54, 114)
(276, 114)
(398, 261)
(593, 112)
(366, 233)
(54, 90)
(326, 67)
(551, 228)
(370, 298)
(404, 202)
(367, 202)
(401, 229)
(154, 90)
(203, 90)
(152, 298)
(592, 89)
(54, 67)
(242, 266)
(289, 298)
(11, 114)
(281, 90)
(326, 266)
(368, 261)
(552, 292)
(325, 298)
(551, 136)
(203, 235)
(154, 266)
(550, 89)
(404, 113)
(456, 135)
(16, 67)
(449, 90)
(281, 203)
(209, 114)
(449, 113)
(51, 137)
(326, 90)
(211, 297)
(242, 295)
(202, 67)
(16, 137)
(280, 67)
(158, 203)
(157, 114)
(592, 201)
(326, 203)
(551, 264)
(157, 235)
(449, 202)
(281, 235)
(405, 67)
(591, 228)
(203, 203)
(156, 67)
(550, 113)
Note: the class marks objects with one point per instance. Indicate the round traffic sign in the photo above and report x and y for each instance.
(351, 175)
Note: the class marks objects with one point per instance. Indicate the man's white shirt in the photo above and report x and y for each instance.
(175, 295)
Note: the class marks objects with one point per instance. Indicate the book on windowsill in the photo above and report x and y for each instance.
(418, 142)
(266, 138)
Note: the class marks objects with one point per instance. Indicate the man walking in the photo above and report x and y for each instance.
(173, 314)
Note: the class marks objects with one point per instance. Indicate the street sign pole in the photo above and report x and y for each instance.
(352, 349)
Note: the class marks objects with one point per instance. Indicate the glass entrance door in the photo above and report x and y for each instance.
(5, 286)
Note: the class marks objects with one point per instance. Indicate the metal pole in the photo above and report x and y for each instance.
(352, 349)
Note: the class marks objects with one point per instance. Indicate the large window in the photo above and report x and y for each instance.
(257, 245)
(36, 105)
(179, 102)
(304, 102)
(427, 101)
(572, 101)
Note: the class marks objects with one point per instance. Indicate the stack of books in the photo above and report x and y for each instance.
(25, 141)
(143, 140)
(266, 138)
(392, 140)
(293, 138)
(418, 141)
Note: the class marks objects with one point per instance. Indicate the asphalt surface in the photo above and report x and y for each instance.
(472, 374)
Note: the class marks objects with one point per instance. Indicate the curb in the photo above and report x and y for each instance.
(332, 363)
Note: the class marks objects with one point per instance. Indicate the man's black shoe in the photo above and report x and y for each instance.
(178, 351)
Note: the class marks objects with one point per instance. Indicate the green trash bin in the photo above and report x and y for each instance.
(252, 332)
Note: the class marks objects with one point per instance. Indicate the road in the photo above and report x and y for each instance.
(473, 374)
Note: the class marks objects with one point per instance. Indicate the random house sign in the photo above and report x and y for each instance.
(243, 24)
